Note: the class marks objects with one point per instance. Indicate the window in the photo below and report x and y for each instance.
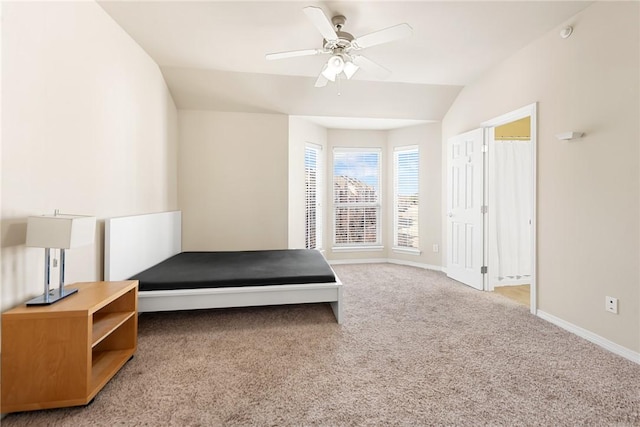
(406, 170)
(313, 217)
(356, 197)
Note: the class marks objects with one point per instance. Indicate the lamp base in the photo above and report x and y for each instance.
(54, 296)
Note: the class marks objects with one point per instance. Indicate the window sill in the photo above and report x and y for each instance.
(357, 248)
(409, 251)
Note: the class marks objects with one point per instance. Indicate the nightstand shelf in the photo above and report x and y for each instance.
(104, 324)
(106, 364)
(64, 354)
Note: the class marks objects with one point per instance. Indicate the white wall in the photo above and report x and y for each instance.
(233, 180)
(428, 139)
(301, 132)
(88, 127)
(588, 189)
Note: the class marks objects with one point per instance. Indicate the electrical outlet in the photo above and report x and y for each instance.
(611, 305)
(435, 247)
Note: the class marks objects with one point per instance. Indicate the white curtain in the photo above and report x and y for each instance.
(513, 196)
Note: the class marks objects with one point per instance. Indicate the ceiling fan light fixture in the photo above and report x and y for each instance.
(350, 69)
(329, 73)
(336, 64)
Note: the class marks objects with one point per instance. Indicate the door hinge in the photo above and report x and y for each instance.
(483, 209)
(483, 269)
(485, 148)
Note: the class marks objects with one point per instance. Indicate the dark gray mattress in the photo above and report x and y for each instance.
(195, 270)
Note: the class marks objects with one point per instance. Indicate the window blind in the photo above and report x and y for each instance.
(406, 180)
(313, 214)
(356, 196)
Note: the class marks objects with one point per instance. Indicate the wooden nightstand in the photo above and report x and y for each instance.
(63, 354)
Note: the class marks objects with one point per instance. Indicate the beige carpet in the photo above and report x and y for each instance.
(415, 349)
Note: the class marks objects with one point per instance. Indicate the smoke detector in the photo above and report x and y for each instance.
(566, 32)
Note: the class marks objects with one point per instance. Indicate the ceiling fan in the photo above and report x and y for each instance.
(343, 47)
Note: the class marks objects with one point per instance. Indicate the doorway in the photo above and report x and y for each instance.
(510, 179)
(501, 260)
(520, 262)
(510, 196)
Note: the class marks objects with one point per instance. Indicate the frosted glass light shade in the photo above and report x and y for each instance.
(60, 231)
(350, 69)
(336, 63)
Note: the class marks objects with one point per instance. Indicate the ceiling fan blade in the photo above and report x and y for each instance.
(322, 80)
(321, 22)
(371, 67)
(386, 35)
(293, 53)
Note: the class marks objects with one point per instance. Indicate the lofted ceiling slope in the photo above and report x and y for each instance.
(212, 52)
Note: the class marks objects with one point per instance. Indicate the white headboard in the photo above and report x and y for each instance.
(134, 243)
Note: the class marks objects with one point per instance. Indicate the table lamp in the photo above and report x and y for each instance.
(58, 231)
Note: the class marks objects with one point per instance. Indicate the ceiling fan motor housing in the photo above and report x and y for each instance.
(344, 39)
(338, 22)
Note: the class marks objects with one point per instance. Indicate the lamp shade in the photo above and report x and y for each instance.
(60, 231)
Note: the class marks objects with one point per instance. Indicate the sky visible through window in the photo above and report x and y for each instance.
(364, 166)
(309, 159)
(407, 186)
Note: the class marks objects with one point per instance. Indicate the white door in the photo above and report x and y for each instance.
(465, 198)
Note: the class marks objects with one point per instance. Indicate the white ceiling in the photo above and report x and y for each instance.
(222, 44)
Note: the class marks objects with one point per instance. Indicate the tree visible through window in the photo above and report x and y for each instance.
(356, 197)
(405, 197)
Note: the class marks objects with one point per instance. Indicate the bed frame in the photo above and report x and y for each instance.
(135, 243)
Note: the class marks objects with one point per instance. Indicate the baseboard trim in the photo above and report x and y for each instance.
(590, 336)
(357, 261)
(415, 264)
(386, 261)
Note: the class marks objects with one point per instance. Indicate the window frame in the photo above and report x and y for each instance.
(363, 246)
